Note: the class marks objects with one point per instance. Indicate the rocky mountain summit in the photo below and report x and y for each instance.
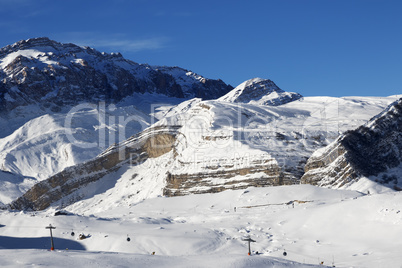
(369, 151)
(53, 74)
(260, 92)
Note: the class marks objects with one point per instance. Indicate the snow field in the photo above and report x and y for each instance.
(345, 228)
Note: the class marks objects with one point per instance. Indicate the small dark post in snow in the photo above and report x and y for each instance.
(249, 240)
(51, 236)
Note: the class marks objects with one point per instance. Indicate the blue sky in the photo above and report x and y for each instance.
(314, 47)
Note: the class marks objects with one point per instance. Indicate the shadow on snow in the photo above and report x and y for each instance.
(9, 242)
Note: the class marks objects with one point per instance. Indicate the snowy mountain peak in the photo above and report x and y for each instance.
(258, 80)
(260, 92)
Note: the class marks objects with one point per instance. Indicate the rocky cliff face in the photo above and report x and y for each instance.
(53, 74)
(257, 175)
(368, 151)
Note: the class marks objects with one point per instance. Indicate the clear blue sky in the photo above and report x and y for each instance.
(314, 47)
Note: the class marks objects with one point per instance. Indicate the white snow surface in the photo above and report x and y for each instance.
(12, 186)
(42, 57)
(47, 144)
(311, 224)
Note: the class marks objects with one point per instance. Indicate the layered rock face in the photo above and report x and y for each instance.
(54, 74)
(370, 150)
(258, 175)
(148, 144)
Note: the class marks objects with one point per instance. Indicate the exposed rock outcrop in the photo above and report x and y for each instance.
(367, 151)
(268, 174)
(148, 144)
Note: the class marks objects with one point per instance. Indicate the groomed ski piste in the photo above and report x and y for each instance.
(312, 226)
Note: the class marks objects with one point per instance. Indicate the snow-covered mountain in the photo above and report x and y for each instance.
(43, 71)
(62, 104)
(41, 77)
(206, 146)
(127, 152)
(259, 92)
(255, 135)
(372, 152)
(49, 143)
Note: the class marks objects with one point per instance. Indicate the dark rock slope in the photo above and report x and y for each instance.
(369, 150)
(43, 71)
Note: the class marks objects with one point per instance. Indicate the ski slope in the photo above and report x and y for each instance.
(311, 224)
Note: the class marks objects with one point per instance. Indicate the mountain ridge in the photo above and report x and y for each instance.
(40, 69)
